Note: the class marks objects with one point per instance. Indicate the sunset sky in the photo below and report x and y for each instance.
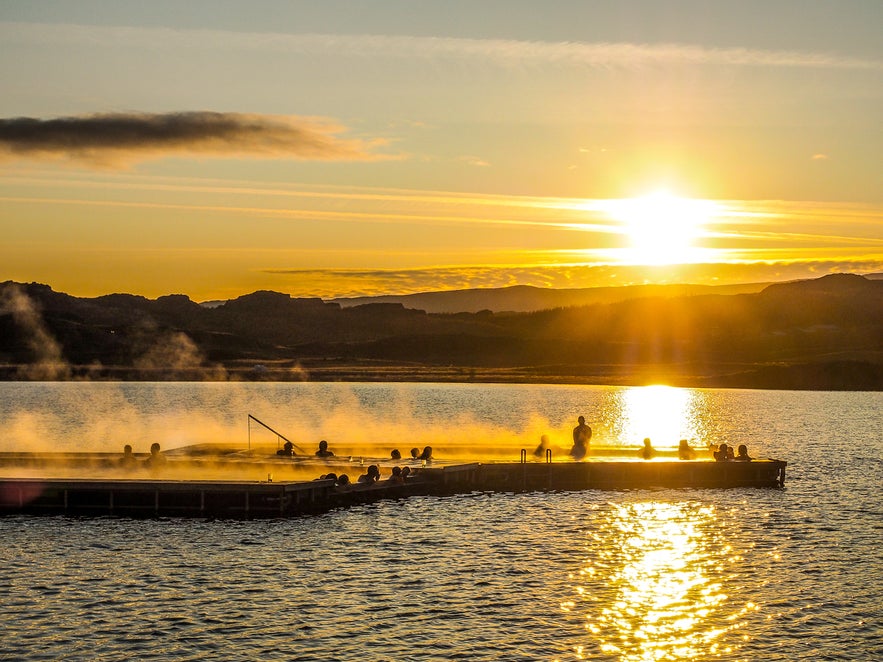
(342, 148)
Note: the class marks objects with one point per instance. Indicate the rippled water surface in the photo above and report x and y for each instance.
(739, 574)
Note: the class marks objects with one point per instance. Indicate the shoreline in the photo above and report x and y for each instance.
(833, 376)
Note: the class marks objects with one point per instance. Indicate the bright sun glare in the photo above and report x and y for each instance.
(662, 228)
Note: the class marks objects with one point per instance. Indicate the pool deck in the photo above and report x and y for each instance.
(237, 499)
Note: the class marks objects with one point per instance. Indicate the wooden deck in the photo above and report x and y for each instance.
(243, 499)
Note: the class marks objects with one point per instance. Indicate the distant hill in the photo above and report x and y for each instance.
(526, 298)
(821, 334)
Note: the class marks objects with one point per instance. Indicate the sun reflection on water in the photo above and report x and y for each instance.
(654, 580)
(664, 414)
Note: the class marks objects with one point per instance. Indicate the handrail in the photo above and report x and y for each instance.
(278, 434)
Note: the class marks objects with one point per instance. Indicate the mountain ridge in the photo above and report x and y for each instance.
(824, 333)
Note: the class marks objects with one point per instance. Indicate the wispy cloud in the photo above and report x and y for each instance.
(115, 139)
(505, 52)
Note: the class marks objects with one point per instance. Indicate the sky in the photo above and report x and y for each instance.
(349, 148)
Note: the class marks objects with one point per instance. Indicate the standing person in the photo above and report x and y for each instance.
(582, 435)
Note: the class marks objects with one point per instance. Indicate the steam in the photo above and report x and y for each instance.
(49, 362)
(118, 139)
(175, 356)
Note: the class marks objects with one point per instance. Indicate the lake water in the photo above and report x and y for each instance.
(738, 574)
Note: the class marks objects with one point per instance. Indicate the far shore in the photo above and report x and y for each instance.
(834, 376)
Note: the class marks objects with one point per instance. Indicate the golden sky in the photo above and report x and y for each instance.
(338, 148)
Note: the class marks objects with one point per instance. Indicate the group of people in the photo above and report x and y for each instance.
(582, 436)
(371, 476)
(323, 451)
(724, 453)
(153, 461)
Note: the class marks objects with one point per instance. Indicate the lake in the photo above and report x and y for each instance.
(737, 574)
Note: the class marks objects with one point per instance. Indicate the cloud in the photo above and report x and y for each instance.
(475, 161)
(819, 157)
(504, 52)
(114, 139)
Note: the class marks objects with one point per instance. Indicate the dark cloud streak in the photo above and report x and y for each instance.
(114, 139)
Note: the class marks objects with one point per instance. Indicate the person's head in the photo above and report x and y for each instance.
(323, 445)
(647, 442)
(723, 447)
(127, 449)
(374, 471)
(581, 420)
(743, 450)
(343, 479)
(154, 448)
(395, 454)
(406, 471)
(427, 453)
(415, 452)
(396, 471)
(544, 440)
(683, 445)
(331, 476)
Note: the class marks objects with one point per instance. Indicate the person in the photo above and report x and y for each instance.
(540, 451)
(415, 453)
(396, 476)
(155, 460)
(128, 460)
(721, 454)
(730, 455)
(406, 471)
(371, 476)
(395, 454)
(287, 449)
(323, 450)
(684, 450)
(647, 452)
(426, 455)
(582, 435)
(743, 455)
(343, 480)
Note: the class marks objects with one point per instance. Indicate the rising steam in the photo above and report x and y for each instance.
(49, 362)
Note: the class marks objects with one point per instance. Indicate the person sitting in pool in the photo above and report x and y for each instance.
(396, 477)
(323, 450)
(371, 476)
(156, 460)
(743, 455)
(415, 453)
(128, 460)
(647, 452)
(684, 451)
(582, 435)
(722, 453)
(395, 454)
(540, 451)
(287, 449)
(426, 455)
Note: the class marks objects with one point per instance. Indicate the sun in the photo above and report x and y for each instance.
(662, 228)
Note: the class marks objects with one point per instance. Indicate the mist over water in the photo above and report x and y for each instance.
(739, 574)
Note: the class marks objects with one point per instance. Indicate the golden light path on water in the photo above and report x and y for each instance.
(653, 583)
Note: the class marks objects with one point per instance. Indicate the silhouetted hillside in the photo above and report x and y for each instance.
(525, 298)
(822, 334)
